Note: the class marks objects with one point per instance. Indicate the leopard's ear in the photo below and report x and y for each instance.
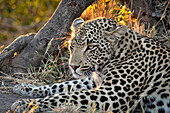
(76, 23)
(115, 35)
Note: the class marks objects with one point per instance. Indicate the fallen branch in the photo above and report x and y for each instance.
(16, 46)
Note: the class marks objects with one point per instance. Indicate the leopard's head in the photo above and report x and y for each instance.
(92, 44)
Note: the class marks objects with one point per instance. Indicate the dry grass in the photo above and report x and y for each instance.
(53, 69)
(1, 48)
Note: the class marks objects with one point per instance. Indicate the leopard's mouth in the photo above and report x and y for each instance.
(83, 73)
(89, 71)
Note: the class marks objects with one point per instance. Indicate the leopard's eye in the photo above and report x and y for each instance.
(90, 47)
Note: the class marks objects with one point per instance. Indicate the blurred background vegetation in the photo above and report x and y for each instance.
(19, 17)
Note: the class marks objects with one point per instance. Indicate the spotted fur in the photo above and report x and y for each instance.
(136, 70)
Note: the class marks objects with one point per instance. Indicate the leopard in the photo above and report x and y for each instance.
(134, 69)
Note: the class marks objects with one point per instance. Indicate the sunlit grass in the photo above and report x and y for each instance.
(1, 48)
(110, 9)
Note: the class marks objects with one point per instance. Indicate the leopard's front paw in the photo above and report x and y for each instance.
(24, 89)
(16, 106)
(24, 105)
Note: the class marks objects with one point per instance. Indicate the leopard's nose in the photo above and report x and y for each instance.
(74, 67)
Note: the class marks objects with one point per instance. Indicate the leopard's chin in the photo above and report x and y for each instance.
(82, 73)
(79, 76)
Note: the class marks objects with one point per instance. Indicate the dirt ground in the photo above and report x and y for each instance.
(7, 97)
(6, 101)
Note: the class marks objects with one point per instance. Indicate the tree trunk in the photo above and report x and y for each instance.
(31, 48)
(153, 14)
(149, 11)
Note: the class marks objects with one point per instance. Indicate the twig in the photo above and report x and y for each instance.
(164, 11)
(5, 88)
(7, 78)
(6, 92)
(4, 73)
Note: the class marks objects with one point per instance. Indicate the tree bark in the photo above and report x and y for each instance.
(30, 52)
(149, 11)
